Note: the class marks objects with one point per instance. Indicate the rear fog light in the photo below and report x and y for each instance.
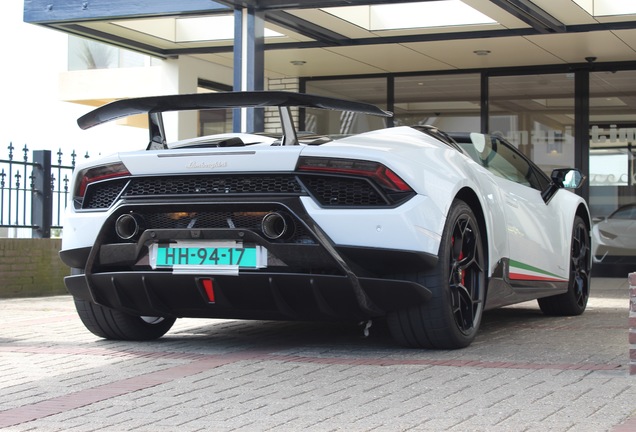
(208, 287)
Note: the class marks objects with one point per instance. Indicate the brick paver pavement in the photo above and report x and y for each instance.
(525, 372)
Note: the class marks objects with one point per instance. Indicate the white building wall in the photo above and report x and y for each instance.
(173, 76)
(272, 121)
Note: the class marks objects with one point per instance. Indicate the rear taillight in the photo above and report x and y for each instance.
(375, 171)
(99, 173)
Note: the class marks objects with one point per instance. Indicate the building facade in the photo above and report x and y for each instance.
(555, 78)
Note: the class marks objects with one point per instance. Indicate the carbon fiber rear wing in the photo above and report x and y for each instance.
(155, 105)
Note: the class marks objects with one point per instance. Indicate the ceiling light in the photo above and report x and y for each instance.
(607, 7)
(298, 62)
(410, 15)
(482, 52)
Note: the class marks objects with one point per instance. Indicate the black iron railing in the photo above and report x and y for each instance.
(35, 192)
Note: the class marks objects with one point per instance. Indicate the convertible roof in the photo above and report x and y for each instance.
(221, 100)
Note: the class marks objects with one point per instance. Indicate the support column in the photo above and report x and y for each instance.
(485, 103)
(249, 65)
(582, 127)
(41, 195)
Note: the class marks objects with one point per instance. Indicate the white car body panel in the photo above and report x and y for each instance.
(534, 239)
(408, 227)
(249, 159)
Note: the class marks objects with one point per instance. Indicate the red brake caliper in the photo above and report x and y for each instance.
(462, 276)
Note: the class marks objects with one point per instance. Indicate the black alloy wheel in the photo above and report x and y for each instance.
(451, 318)
(574, 301)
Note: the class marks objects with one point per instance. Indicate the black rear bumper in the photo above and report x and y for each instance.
(309, 279)
(248, 296)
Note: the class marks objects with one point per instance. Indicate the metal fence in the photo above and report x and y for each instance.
(35, 192)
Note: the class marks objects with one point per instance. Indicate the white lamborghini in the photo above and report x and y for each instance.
(409, 224)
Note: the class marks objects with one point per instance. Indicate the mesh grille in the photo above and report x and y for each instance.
(222, 219)
(329, 191)
(202, 220)
(342, 191)
(103, 194)
(212, 185)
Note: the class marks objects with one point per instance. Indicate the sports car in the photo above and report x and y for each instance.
(614, 237)
(411, 225)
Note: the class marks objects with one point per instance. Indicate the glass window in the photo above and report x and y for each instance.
(503, 160)
(536, 114)
(448, 102)
(327, 122)
(507, 164)
(612, 137)
(213, 121)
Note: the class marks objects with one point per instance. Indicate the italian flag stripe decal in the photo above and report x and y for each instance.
(521, 271)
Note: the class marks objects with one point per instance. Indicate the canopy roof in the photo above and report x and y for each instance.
(346, 37)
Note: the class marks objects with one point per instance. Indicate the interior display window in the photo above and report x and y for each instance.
(327, 122)
(536, 114)
(448, 102)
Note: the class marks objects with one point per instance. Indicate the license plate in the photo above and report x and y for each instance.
(219, 257)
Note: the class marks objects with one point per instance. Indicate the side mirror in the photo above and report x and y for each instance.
(567, 178)
(562, 178)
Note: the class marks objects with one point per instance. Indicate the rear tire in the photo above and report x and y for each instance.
(113, 324)
(451, 318)
(574, 301)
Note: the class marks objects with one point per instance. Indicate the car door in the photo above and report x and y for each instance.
(538, 245)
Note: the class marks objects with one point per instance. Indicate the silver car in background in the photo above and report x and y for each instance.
(614, 237)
